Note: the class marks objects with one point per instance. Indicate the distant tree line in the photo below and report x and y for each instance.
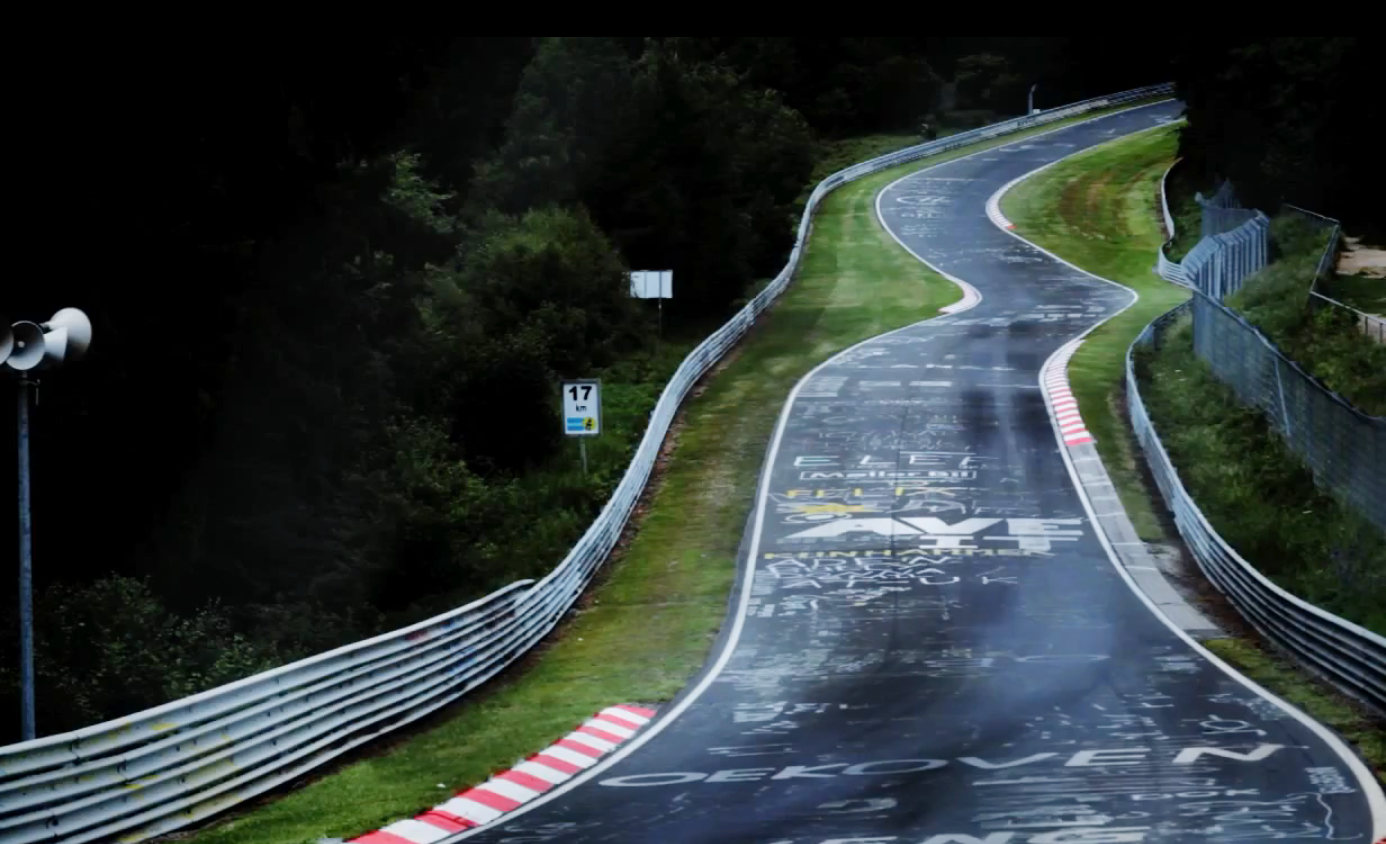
(1288, 119)
(334, 283)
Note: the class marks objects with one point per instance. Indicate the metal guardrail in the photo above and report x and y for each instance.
(162, 769)
(1164, 201)
(1167, 269)
(1348, 655)
(1170, 270)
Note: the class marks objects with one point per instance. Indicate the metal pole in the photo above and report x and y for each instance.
(26, 604)
(582, 448)
(1030, 109)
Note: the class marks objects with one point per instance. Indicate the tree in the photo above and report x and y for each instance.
(1282, 118)
(542, 296)
(988, 81)
(571, 106)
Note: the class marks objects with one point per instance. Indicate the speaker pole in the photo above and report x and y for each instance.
(25, 346)
(26, 602)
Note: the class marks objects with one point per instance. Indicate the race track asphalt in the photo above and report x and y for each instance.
(929, 642)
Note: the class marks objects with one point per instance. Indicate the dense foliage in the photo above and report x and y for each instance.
(333, 286)
(1325, 341)
(1287, 119)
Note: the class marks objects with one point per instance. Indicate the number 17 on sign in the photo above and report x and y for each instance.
(582, 412)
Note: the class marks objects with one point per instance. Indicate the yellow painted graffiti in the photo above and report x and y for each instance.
(833, 508)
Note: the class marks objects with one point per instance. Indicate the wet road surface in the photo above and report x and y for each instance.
(929, 643)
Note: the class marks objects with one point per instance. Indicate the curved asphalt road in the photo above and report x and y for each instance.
(933, 645)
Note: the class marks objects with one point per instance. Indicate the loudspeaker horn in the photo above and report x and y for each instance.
(28, 351)
(56, 348)
(78, 333)
(6, 338)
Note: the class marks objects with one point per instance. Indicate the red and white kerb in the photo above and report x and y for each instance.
(511, 789)
(1055, 381)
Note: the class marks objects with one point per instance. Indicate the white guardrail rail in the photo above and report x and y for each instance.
(1348, 655)
(1164, 267)
(156, 771)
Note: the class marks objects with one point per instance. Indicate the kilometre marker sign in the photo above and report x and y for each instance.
(582, 407)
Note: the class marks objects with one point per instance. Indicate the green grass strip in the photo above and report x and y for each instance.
(1100, 210)
(1326, 706)
(648, 627)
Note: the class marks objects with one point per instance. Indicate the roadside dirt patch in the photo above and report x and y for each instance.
(1072, 200)
(1357, 259)
(1094, 205)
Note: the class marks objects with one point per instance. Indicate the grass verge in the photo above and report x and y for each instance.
(647, 627)
(1257, 493)
(1327, 706)
(1101, 210)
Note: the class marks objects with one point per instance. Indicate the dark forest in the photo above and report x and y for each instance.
(333, 286)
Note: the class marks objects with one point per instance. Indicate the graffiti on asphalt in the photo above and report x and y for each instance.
(819, 572)
(894, 767)
(1028, 534)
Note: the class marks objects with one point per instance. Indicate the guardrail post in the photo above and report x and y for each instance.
(26, 569)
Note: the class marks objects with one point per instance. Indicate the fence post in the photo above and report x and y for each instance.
(1280, 387)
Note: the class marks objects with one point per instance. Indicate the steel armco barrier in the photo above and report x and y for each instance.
(1167, 269)
(165, 768)
(1348, 655)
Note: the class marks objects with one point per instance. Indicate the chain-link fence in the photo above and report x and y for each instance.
(1330, 249)
(1221, 262)
(1343, 447)
(1222, 212)
(1369, 324)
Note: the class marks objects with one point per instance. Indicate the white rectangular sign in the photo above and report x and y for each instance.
(582, 407)
(652, 284)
